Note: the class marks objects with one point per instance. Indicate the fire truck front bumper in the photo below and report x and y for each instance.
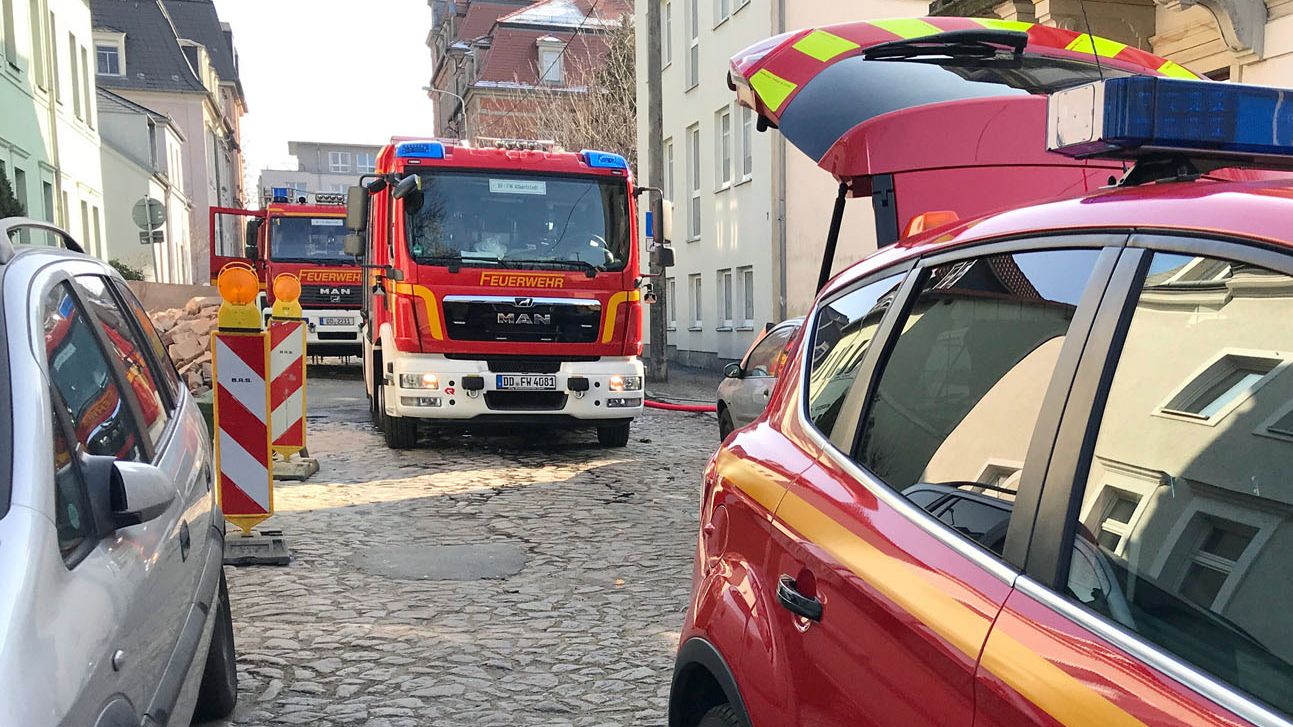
(332, 332)
(431, 386)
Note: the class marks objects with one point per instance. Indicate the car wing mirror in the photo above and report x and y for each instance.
(733, 371)
(123, 494)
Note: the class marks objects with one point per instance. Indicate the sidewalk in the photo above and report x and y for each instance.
(686, 385)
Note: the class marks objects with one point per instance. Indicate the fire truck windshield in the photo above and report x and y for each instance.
(510, 219)
(308, 239)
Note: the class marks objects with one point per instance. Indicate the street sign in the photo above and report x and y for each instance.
(149, 214)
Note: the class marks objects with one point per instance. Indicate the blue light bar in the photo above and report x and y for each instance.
(604, 160)
(281, 192)
(420, 150)
(1139, 116)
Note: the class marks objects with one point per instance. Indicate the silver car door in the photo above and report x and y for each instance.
(760, 375)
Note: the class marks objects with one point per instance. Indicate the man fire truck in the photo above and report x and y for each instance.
(502, 287)
(306, 237)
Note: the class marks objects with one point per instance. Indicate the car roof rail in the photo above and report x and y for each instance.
(10, 226)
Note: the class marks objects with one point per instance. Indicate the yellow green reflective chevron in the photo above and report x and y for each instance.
(999, 24)
(772, 89)
(907, 27)
(824, 46)
(1104, 47)
(1175, 70)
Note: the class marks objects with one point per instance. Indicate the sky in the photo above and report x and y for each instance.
(348, 71)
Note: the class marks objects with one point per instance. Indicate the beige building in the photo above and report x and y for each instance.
(744, 201)
(320, 167)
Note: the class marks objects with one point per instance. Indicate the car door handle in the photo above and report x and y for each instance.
(185, 540)
(795, 602)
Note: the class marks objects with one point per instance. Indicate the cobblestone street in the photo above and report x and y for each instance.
(351, 633)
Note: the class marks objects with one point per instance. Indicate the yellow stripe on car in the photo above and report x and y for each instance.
(772, 89)
(824, 46)
(907, 28)
(1104, 47)
(612, 308)
(1176, 70)
(999, 24)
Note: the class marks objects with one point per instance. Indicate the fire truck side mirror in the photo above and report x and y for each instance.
(663, 256)
(249, 244)
(408, 185)
(250, 251)
(665, 231)
(356, 209)
(354, 245)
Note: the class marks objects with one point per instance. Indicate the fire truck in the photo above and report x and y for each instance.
(302, 233)
(502, 287)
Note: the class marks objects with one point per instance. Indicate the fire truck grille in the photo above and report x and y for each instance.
(525, 400)
(532, 321)
(349, 294)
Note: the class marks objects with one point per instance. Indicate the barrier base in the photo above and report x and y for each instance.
(296, 469)
(262, 547)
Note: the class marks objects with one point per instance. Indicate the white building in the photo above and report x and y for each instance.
(320, 167)
(751, 213)
(143, 155)
(49, 138)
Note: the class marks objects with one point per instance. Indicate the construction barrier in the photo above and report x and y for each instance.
(287, 367)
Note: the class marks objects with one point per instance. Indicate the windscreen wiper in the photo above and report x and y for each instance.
(985, 43)
(589, 269)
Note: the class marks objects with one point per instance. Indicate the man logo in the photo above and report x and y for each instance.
(524, 303)
(525, 319)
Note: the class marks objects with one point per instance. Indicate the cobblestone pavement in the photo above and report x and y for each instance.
(583, 634)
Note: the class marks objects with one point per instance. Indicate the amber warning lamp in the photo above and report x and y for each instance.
(287, 296)
(238, 288)
(926, 221)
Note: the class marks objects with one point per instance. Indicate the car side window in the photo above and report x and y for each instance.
(170, 378)
(961, 391)
(1184, 526)
(72, 517)
(131, 350)
(80, 370)
(766, 358)
(841, 334)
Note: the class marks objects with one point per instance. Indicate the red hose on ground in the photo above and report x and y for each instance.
(698, 408)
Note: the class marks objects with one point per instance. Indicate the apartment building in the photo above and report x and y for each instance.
(751, 213)
(49, 135)
(320, 167)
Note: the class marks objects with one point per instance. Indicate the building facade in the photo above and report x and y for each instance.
(493, 62)
(49, 135)
(320, 167)
(147, 210)
(177, 59)
(750, 213)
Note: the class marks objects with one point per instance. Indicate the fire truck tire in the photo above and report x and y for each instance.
(613, 435)
(401, 432)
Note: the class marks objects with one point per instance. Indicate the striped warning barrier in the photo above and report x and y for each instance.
(242, 442)
(287, 385)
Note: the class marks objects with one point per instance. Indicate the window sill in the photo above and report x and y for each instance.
(725, 329)
(692, 87)
(722, 20)
(694, 239)
(745, 327)
(671, 327)
(723, 187)
(696, 327)
(745, 180)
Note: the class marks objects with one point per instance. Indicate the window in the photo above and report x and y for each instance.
(85, 227)
(128, 347)
(37, 42)
(843, 330)
(339, 162)
(722, 11)
(551, 51)
(365, 163)
(671, 301)
(171, 383)
(76, 75)
(747, 295)
(1282, 425)
(72, 516)
(86, 381)
(47, 191)
(666, 32)
(107, 60)
(10, 32)
(768, 356)
(693, 43)
(723, 144)
(56, 84)
(1195, 561)
(697, 311)
(86, 94)
(1222, 386)
(747, 143)
(667, 182)
(724, 299)
(964, 382)
(98, 233)
(65, 213)
(693, 182)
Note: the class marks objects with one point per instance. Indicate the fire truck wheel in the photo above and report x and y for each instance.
(613, 435)
(399, 432)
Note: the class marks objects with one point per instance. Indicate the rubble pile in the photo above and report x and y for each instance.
(187, 334)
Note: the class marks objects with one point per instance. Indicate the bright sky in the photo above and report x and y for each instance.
(348, 71)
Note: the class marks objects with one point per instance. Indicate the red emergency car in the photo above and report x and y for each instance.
(1033, 468)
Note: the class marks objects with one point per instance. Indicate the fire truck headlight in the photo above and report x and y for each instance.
(419, 381)
(624, 383)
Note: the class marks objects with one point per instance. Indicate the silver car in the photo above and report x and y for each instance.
(746, 386)
(113, 606)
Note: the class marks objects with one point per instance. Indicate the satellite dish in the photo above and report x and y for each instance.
(149, 214)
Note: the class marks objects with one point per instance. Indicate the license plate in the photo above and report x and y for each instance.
(336, 321)
(526, 382)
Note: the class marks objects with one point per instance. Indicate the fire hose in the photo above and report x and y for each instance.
(670, 406)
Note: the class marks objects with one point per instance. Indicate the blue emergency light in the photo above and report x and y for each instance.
(1139, 116)
(419, 150)
(281, 192)
(604, 160)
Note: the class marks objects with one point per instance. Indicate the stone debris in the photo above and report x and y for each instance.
(187, 334)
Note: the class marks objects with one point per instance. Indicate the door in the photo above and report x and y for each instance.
(885, 604)
(1159, 566)
(233, 230)
(760, 369)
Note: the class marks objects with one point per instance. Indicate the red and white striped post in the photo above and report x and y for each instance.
(287, 385)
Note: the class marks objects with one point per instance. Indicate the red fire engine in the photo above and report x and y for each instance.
(306, 238)
(502, 287)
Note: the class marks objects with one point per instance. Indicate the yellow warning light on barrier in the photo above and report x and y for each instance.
(238, 287)
(287, 295)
